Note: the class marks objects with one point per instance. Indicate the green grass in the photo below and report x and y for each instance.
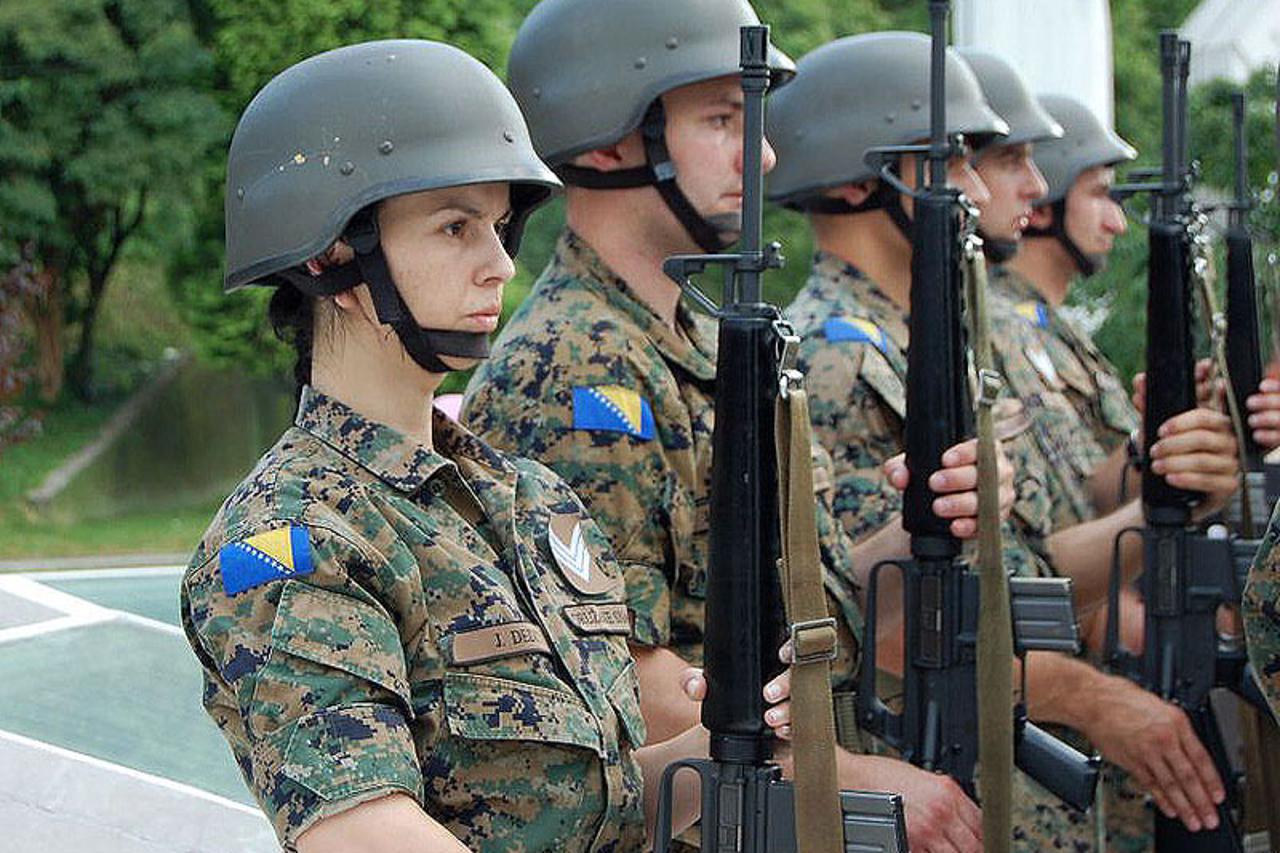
(169, 532)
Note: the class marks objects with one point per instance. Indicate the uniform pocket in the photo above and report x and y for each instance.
(339, 752)
(483, 707)
(624, 696)
(342, 633)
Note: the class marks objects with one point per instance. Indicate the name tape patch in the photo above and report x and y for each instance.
(498, 641)
(599, 618)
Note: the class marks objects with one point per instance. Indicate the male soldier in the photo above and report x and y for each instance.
(1198, 446)
(853, 315)
(607, 377)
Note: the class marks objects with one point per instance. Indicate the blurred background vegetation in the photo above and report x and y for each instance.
(115, 116)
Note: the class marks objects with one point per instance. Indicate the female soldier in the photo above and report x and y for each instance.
(410, 640)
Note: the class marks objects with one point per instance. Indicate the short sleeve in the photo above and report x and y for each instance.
(858, 426)
(622, 479)
(305, 676)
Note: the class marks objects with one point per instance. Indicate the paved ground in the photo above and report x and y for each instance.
(103, 743)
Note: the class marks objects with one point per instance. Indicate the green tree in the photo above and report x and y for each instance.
(252, 41)
(105, 117)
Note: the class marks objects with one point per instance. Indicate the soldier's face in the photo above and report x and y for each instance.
(1013, 182)
(704, 137)
(960, 174)
(1094, 220)
(444, 248)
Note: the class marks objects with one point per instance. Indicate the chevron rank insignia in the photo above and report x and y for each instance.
(857, 330)
(612, 408)
(1034, 312)
(281, 553)
(573, 557)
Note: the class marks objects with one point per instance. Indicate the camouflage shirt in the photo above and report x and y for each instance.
(1083, 374)
(373, 616)
(1261, 610)
(854, 355)
(589, 380)
(1062, 436)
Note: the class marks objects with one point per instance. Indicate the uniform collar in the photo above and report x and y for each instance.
(386, 452)
(693, 347)
(849, 291)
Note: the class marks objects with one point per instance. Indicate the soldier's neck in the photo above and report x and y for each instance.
(633, 252)
(872, 243)
(371, 374)
(1044, 263)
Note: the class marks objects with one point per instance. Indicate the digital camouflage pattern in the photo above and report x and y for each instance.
(1067, 434)
(581, 327)
(857, 401)
(1261, 610)
(438, 648)
(1090, 382)
(1063, 438)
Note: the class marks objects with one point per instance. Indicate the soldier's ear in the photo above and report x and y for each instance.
(1041, 217)
(623, 154)
(855, 194)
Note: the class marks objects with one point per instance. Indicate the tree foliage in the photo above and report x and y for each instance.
(106, 114)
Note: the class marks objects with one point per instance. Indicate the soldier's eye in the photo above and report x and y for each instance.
(456, 228)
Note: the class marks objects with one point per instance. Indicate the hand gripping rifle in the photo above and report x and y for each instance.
(1186, 575)
(938, 725)
(746, 805)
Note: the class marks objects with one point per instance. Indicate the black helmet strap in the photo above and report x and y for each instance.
(884, 197)
(425, 346)
(658, 172)
(998, 250)
(1058, 230)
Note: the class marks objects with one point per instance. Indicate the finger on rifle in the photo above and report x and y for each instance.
(1220, 444)
(959, 479)
(964, 528)
(779, 688)
(1203, 763)
(1197, 461)
(1195, 419)
(1220, 485)
(778, 716)
(1186, 790)
(956, 505)
(964, 832)
(1167, 782)
(1264, 417)
(964, 453)
(1203, 368)
(895, 469)
(1267, 438)
(694, 684)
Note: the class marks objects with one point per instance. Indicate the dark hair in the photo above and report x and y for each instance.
(292, 315)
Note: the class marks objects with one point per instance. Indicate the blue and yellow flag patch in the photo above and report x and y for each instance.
(1034, 313)
(857, 330)
(281, 553)
(612, 408)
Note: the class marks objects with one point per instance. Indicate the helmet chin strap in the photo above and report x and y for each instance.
(658, 172)
(1086, 264)
(884, 197)
(998, 250)
(424, 346)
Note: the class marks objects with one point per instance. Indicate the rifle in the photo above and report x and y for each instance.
(746, 805)
(938, 726)
(1187, 575)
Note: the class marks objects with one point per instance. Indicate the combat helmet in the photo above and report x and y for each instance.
(1085, 144)
(1008, 95)
(859, 93)
(589, 72)
(331, 136)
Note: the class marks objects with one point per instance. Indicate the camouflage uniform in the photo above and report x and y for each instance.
(582, 337)
(420, 634)
(1261, 609)
(1088, 380)
(854, 353)
(1036, 349)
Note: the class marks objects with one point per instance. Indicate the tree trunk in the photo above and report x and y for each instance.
(80, 374)
(47, 315)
